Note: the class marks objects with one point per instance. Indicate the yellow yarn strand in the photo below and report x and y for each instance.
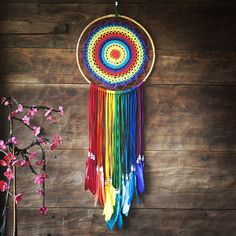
(110, 191)
(109, 123)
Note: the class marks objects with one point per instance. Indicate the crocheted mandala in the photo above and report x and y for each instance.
(114, 52)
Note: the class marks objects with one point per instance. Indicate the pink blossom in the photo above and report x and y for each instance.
(24, 163)
(26, 120)
(6, 161)
(43, 210)
(56, 140)
(11, 115)
(40, 192)
(40, 163)
(51, 118)
(9, 173)
(20, 108)
(2, 145)
(6, 102)
(16, 163)
(32, 111)
(36, 130)
(18, 198)
(9, 157)
(33, 155)
(3, 163)
(42, 140)
(13, 140)
(61, 110)
(40, 178)
(20, 163)
(3, 186)
(48, 112)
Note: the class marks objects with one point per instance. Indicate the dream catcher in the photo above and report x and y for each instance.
(115, 54)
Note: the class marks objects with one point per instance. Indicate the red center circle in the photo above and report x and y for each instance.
(115, 54)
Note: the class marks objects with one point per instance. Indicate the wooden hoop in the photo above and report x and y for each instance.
(127, 18)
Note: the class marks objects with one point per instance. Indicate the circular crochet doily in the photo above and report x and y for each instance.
(115, 52)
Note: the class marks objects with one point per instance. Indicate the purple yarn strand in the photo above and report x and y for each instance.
(140, 151)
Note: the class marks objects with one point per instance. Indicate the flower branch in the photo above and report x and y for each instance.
(13, 156)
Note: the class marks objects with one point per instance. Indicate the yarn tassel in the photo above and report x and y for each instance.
(100, 194)
(116, 217)
(123, 191)
(140, 176)
(110, 192)
(114, 167)
(126, 160)
(90, 173)
(126, 205)
(140, 155)
(132, 186)
(136, 190)
(132, 148)
(110, 196)
(139, 173)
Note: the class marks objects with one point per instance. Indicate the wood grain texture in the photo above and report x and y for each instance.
(58, 66)
(176, 117)
(27, 27)
(151, 222)
(190, 104)
(176, 27)
(123, 2)
(174, 179)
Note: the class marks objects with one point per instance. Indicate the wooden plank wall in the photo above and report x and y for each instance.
(190, 108)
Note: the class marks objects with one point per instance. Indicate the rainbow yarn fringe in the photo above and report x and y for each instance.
(114, 168)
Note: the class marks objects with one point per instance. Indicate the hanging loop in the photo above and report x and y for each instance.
(116, 8)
